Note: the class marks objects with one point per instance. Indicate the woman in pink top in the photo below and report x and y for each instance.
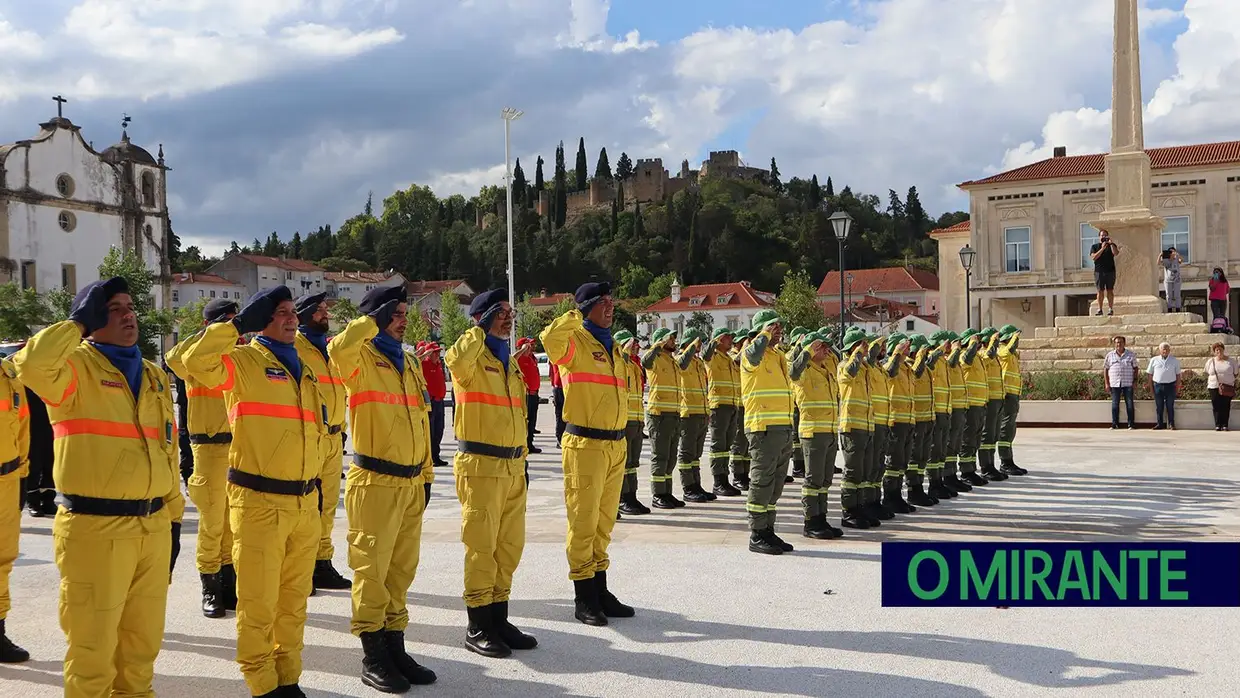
(1219, 290)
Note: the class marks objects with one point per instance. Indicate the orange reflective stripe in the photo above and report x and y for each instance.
(23, 412)
(600, 378)
(489, 399)
(331, 380)
(205, 392)
(69, 389)
(568, 355)
(5, 405)
(264, 409)
(379, 396)
(102, 427)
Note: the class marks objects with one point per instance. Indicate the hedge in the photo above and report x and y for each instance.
(1087, 385)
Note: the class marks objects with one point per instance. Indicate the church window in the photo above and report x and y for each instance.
(68, 277)
(213, 294)
(148, 190)
(64, 185)
(67, 221)
(202, 293)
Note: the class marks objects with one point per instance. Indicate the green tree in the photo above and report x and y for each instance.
(295, 249)
(188, 319)
(660, 287)
(59, 302)
(582, 172)
(417, 329)
(540, 182)
(452, 320)
(21, 311)
(634, 281)
(152, 323)
(342, 313)
(343, 264)
(273, 247)
(797, 303)
(830, 191)
(815, 194)
(702, 321)
(602, 170)
(777, 185)
(520, 187)
(624, 167)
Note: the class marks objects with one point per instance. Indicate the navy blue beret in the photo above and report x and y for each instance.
(590, 293)
(111, 287)
(274, 295)
(218, 307)
(377, 297)
(487, 300)
(308, 305)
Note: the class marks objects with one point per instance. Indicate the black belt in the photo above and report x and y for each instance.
(203, 439)
(600, 434)
(335, 429)
(269, 485)
(482, 449)
(386, 467)
(96, 506)
(11, 466)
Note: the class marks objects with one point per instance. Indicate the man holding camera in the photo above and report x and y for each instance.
(1103, 253)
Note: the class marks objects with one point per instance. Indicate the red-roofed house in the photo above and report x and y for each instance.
(256, 272)
(189, 287)
(549, 300)
(1031, 229)
(906, 285)
(426, 296)
(354, 285)
(730, 305)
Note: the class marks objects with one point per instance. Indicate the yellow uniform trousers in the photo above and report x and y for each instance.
(208, 490)
(493, 531)
(113, 594)
(385, 541)
(10, 529)
(593, 474)
(273, 551)
(333, 466)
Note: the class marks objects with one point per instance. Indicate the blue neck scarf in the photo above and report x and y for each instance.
(318, 339)
(286, 353)
(499, 347)
(601, 334)
(127, 360)
(392, 349)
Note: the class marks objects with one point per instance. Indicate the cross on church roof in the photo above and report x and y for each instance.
(60, 106)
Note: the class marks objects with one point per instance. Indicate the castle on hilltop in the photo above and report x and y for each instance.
(652, 183)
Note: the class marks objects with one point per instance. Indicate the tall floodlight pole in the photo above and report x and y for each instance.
(510, 115)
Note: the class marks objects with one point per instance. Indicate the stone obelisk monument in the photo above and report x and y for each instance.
(1127, 216)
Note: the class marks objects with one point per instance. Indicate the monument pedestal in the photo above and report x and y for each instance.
(1136, 271)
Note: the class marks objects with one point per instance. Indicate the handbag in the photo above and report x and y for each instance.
(1224, 389)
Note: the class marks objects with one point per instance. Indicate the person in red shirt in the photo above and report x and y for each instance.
(533, 381)
(437, 389)
(557, 397)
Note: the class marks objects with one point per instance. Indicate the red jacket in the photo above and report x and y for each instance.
(555, 377)
(529, 372)
(436, 385)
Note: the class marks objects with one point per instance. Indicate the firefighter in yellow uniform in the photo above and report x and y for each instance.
(960, 414)
(878, 374)
(312, 350)
(723, 398)
(210, 439)
(856, 425)
(989, 356)
(279, 423)
(14, 464)
(940, 434)
(903, 420)
(117, 472)
(389, 486)
(1013, 384)
(491, 431)
(739, 463)
(662, 416)
(767, 391)
(919, 364)
(812, 368)
(633, 434)
(691, 382)
(976, 390)
(595, 410)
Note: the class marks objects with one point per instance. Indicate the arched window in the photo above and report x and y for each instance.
(148, 190)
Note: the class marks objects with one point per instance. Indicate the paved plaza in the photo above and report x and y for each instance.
(716, 620)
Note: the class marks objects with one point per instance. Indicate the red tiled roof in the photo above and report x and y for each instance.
(280, 262)
(734, 295)
(424, 288)
(550, 299)
(961, 227)
(884, 280)
(1094, 165)
(867, 305)
(371, 277)
(182, 277)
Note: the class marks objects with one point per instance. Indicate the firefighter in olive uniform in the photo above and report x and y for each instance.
(923, 417)
(812, 368)
(767, 392)
(116, 468)
(879, 373)
(989, 356)
(738, 464)
(856, 426)
(312, 349)
(490, 426)
(976, 390)
(956, 379)
(210, 438)
(633, 434)
(793, 340)
(940, 433)
(662, 416)
(389, 485)
(724, 399)
(595, 410)
(279, 424)
(1009, 362)
(691, 382)
(14, 452)
(903, 419)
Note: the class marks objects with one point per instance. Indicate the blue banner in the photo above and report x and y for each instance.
(1061, 574)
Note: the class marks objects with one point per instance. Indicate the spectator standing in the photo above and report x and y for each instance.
(1170, 262)
(437, 390)
(557, 398)
(1221, 373)
(533, 382)
(1219, 290)
(1164, 370)
(1103, 253)
(1119, 374)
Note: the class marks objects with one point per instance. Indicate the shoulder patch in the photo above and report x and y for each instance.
(111, 384)
(383, 364)
(600, 356)
(277, 374)
(492, 369)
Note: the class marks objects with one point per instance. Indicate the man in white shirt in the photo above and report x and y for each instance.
(1119, 374)
(1164, 370)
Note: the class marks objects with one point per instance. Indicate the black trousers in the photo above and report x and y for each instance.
(531, 416)
(557, 397)
(437, 426)
(1222, 408)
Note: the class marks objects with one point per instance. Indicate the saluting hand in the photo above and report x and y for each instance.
(523, 351)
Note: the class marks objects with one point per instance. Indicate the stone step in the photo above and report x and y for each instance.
(1195, 364)
(1142, 319)
(1124, 330)
(1180, 337)
(1184, 352)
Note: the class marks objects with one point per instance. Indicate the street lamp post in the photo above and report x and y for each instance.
(841, 222)
(966, 261)
(510, 115)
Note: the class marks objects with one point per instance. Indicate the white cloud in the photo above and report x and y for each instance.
(587, 30)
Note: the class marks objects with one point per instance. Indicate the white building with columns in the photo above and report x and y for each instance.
(64, 205)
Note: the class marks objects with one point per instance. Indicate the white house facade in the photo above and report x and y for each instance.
(731, 306)
(189, 288)
(256, 272)
(354, 285)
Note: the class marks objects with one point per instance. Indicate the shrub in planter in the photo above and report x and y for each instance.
(1088, 385)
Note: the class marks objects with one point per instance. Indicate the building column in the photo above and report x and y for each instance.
(1050, 309)
(983, 311)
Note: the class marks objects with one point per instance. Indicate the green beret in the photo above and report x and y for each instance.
(894, 340)
(624, 336)
(764, 317)
(853, 337)
(1008, 330)
(721, 332)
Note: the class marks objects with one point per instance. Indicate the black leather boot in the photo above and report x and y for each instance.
(629, 505)
(587, 607)
(892, 500)
(482, 637)
(798, 469)
(940, 490)
(290, 691)
(211, 606)
(326, 576)
(975, 479)
(228, 587)
(9, 652)
(853, 518)
(666, 501)
(759, 543)
(1012, 468)
(695, 494)
(413, 672)
(48, 505)
(378, 670)
(783, 544)
(986, 464)
(954, 482)
(917, 496)
(817, 527)
(612, 608)
(508, 632)
(876, 510)
(723, 488)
